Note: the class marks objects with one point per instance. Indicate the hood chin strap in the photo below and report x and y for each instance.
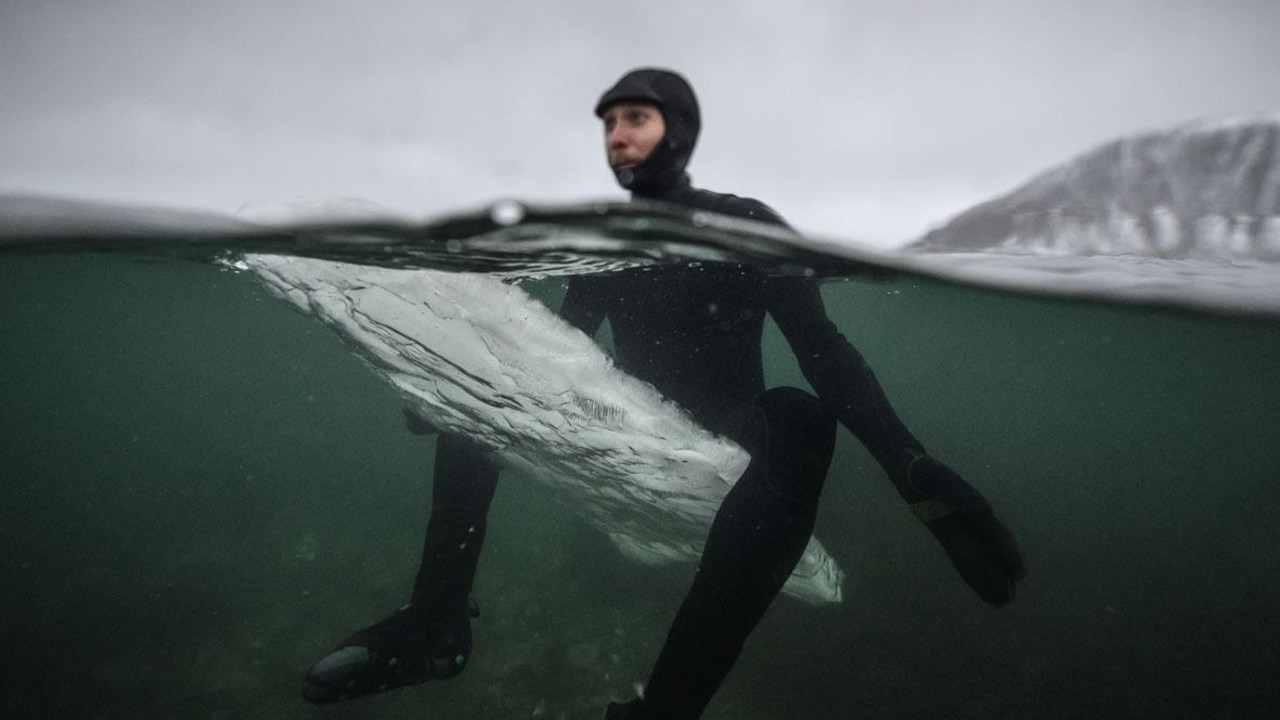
(626, 176)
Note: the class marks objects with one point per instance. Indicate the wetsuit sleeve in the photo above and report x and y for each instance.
(584, 306)
(843, 380)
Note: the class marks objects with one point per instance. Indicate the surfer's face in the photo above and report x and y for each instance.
(631, 132)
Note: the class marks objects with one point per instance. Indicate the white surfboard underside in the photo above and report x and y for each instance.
(482, 358)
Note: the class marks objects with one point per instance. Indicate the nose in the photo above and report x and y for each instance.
(617, 138)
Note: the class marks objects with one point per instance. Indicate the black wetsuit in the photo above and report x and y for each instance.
(694, 332)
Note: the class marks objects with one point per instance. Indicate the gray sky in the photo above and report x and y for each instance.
(865, 120)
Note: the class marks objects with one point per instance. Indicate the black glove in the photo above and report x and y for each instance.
(978, 544)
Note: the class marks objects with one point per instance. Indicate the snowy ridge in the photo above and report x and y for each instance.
(1208, 191)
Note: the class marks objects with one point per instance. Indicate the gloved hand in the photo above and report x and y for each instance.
(978, 544)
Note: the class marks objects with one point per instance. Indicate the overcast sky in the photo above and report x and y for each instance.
(866, 120)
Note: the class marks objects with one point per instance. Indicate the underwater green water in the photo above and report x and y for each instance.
(202, 492)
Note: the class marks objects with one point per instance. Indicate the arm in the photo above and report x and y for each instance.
(838, 373)
(979, 546)
(842, 378)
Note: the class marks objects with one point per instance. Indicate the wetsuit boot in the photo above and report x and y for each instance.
(756, 539)
(430, 638)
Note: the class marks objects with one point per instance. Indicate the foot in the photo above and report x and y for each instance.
(401, 650)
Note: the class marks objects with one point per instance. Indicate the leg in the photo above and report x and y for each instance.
(431, 636)
(755, 541)
(462, 491)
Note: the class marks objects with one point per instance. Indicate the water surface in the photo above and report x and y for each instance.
(202, 491)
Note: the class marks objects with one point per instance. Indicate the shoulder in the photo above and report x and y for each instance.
(735, 206)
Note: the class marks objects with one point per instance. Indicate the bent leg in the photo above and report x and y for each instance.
(756, 539)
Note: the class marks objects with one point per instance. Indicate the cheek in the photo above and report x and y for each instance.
(652, 141)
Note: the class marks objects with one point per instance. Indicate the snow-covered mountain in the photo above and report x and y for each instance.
(1209, 190)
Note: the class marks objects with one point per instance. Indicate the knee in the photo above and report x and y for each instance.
(801, 440)
(795, 414)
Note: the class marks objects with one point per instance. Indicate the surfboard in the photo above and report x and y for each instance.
(480, 357)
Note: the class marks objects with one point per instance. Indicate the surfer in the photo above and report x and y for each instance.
(693, 332)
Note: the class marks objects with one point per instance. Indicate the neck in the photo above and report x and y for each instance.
(664, 191)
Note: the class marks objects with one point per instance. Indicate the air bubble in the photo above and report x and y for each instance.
(506, 212)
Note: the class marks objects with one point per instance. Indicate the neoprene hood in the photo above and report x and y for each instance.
(674, 97)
